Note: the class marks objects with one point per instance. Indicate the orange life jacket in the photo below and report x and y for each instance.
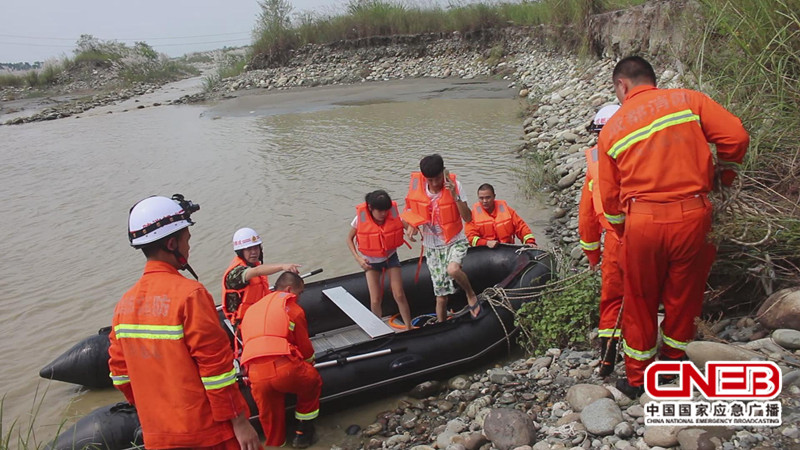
(236, 301)
(418, 207)
(265, 331)
(378, 240)
(500, 228)
(592, 167)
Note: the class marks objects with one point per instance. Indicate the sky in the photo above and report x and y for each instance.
(39, 30)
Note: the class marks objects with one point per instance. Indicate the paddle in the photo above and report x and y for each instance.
(342, 361)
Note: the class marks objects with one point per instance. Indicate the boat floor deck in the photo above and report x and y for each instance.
(341, 338)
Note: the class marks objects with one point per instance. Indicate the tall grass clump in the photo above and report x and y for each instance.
(229, 64)
(749, 60)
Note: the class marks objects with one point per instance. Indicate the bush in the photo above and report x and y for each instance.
(565, 313)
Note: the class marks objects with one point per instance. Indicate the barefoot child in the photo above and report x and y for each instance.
(378, 231)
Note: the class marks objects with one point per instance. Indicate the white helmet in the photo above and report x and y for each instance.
(157, 217)
(602, 117)
(245, 238)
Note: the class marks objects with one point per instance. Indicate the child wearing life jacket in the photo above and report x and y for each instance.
(378, 231)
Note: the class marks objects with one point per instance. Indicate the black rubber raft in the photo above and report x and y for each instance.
(352, 367)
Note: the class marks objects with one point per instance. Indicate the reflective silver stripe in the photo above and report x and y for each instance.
(638, 354)
(589, 246)
(610, 332)
(169, 332)
(306, 416)
(615, 219)
(119, 379)
(680, 345)
(653, 127)
(475, 241)
(219, 381)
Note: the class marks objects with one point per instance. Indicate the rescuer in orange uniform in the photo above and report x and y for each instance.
(379, 231)
(493, 222)
(168, 353)
(436, 204)
(655, 171)
(279, 359)
(591, 224)
(245, 280)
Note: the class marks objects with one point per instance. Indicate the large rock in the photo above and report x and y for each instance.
(781, 310)
(601, 417)
(787, 338)
(509, 428)
(581, 395)
(700, 352)
(703, 439)
(661, 436)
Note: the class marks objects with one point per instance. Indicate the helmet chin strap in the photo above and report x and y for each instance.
(183, 263)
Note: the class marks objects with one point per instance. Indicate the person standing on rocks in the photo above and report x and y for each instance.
(655, 171)
(494, 222)
(591, 225)
(436, 203)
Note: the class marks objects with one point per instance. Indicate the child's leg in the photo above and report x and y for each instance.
(396, 280)
(455, 254)
(441, 308)
(374, 286)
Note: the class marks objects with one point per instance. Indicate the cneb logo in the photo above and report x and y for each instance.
(722, 380)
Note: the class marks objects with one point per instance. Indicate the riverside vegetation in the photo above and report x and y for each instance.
(743, 53)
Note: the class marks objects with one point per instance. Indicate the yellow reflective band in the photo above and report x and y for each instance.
(119, 379)
(680, 345)
(610, 332)
(528, 236)
(170, 332)
(655, 126)
(219, 381)
(589, 246)
(307, 416)
(637, 354)
(475, 241)
(291, 326)
(591, 183)
(615, 219)
(310, 359)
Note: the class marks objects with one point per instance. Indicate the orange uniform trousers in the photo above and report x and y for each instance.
(666, 261)
(612, 289)
(270, 380)
(230, 444)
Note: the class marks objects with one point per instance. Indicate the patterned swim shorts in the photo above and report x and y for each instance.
(438, 259)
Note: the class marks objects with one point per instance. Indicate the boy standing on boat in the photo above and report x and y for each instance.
(378, 231)
(436, 204)
(168, 354)
(494, 222)
(591, 225)
(245, 280)
(279, 359)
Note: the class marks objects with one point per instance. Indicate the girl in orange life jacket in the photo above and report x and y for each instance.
(378, 230)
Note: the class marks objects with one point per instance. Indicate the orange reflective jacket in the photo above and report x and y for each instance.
(418, 208)
(378, 240)
(255, 290)
(171, 359)
(654, 148)
(276, 326)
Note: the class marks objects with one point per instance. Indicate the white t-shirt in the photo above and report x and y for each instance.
(432, 235)
(371, 259)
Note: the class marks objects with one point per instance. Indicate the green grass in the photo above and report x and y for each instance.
(372, 18)
(33, 78)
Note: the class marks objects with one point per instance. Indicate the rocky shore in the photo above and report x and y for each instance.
(556, 401)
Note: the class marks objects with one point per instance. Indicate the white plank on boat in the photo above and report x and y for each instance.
(363, 317)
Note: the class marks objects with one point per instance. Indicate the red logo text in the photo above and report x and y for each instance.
(722, 380)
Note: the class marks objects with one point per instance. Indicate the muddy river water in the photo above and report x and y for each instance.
(290, 164)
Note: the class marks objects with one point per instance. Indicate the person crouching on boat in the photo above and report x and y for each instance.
(436, 204)
(168, 354)
(494, 222)
(378, 231)
(279, 359)
(245, 280)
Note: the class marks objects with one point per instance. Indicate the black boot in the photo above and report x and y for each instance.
(672, 377)
(608, 356)
(632, 392)
(304, 434)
